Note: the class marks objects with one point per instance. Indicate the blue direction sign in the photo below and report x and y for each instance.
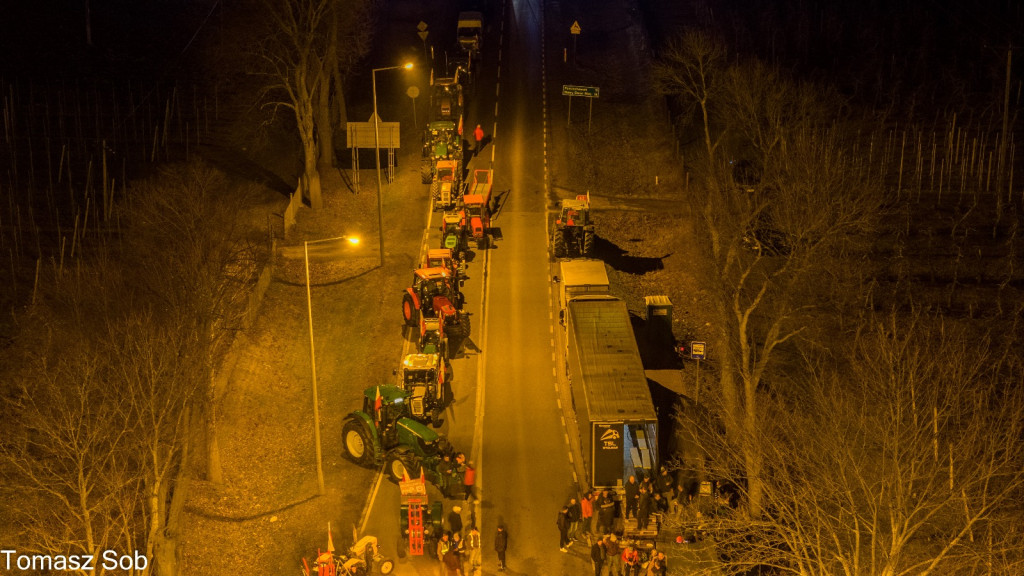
(697, 350)
(585, 91)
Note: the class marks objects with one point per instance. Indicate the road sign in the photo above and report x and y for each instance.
(575, 28)
(423, 35)
(422, 26)
(585, 91)
(697, 350)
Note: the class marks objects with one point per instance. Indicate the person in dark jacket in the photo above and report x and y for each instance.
(606, 507)
(575, 515)
(501, 545)
(643, 511)
(455, 520)
(597, 554)
(632, 496)
(563, 529)
(665, 484)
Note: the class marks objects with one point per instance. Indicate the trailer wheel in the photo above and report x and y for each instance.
(358, 447)
(409, 311)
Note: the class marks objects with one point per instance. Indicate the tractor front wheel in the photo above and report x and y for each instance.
(409, 311)
(357, 444)
(386, 566)
(398, 464)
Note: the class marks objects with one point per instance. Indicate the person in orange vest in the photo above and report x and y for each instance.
(631, 562)
(478, 134)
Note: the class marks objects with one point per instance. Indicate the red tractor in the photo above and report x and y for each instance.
(573, 234)
(476, 219)
(434, 292)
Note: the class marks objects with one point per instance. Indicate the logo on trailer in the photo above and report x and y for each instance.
(610, 439)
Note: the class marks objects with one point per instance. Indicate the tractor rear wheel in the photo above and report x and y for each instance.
(357, 444)
(409, 311)
(426, 172)
(558, 244)
(588, 243)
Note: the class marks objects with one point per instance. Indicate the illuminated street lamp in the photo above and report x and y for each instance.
(376, 149)
(328, 251)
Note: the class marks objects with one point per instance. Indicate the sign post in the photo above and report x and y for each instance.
(574, 30)
(697, 353)
(422, 32)
(590, 92)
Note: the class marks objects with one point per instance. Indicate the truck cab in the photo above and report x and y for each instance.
(470, 32)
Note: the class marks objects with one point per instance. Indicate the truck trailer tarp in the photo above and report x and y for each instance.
(615, 413)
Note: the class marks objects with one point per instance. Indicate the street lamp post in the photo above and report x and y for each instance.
(312, 358)
(376, 149)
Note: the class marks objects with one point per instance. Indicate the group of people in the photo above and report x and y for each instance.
(609, 557)
(457, 476)
(459, 556)
(598, 512)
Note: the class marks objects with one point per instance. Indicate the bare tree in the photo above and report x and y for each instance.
(901, 457)
(766, 241)
(192, 253)
(692, 67)
(68, 468)
(309, 46)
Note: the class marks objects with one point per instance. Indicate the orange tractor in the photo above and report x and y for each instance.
(573, 234)
(476, 209)
(434, 292)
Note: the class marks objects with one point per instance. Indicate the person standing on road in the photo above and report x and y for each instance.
(606, 505)
(468, 479)
(443, 545)
(455, 520)
(630, 561)
(643, 511)
(632, 496)
(452, 564)
(478, 135)
(473, 549)
(613, 556)
(597, 556)
(501, 545)
(563, 529)
(587, 513)
(575, 515)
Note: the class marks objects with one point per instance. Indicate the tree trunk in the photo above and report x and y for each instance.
(752, 451)
(310, 153)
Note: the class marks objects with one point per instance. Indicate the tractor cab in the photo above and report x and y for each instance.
(424, 377)
(476, 218)
(433, 293)
(446, 186)
(443, 258)
(575, 212)
(453, 235)
(432, 339)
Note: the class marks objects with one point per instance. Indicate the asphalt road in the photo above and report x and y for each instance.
(506, 414)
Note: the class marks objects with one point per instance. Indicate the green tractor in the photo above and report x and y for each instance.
(440, 142)
(385, 432)
(573, 234)
(453, 234)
